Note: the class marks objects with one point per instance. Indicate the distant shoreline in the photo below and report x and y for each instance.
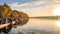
(47, 17)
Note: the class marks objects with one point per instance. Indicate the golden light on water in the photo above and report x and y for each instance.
(56, 11)
(58, 23)
(13, 22)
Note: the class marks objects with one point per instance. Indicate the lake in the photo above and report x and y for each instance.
(38, 26)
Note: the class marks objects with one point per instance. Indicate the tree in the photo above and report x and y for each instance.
(23, 17)
(14, 14)
(6, 11)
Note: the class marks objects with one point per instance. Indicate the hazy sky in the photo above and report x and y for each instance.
(33, 7)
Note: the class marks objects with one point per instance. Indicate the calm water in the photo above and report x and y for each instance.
(38, 26)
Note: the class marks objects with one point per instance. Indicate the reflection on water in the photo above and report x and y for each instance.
(42, 24)
(58, 23)
(39, 26)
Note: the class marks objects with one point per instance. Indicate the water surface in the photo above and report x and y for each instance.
(38, 26)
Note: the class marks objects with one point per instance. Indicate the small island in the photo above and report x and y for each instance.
(7, 15)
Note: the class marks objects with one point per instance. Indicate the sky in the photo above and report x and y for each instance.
(33, 7)
(13, 1)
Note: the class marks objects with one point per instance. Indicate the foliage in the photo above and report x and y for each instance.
(14, 14)
(23, 17)
(7, 12)
(20, 15)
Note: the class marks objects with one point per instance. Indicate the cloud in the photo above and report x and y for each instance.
(37, 8)
(36, 3)
(40, 3)
(31, 4)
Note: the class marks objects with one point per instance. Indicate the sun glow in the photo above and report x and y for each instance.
(56, 11)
